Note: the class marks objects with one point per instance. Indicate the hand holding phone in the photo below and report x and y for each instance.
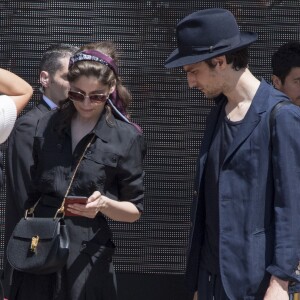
(71, 200)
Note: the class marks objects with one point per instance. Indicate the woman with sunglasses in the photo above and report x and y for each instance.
(110, 176)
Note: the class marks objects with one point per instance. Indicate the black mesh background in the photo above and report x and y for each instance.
(171, 115)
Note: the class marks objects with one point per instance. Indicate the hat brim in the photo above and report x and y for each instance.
(178, 60)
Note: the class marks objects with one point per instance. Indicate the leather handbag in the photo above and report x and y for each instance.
(38, 245)
(41, 245)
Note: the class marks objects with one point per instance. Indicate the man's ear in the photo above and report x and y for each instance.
(276, 82)
(44, 78)
(220, 60)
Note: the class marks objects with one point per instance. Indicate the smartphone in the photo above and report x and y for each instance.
(71, 200)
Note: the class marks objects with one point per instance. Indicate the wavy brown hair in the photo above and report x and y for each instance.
(104, 74)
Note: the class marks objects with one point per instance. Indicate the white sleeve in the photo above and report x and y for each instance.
(8, 116)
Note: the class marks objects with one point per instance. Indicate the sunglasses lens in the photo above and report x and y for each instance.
(74, 96)
(98, 98)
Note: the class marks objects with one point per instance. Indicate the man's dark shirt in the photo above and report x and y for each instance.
(223, 137)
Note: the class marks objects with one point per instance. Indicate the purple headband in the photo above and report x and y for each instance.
(114, 101)
(97, 56)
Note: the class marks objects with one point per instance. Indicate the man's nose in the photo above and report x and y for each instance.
(191, 80)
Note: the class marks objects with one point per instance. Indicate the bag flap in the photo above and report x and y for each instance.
(45, 228)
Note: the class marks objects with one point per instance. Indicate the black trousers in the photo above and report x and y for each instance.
(210, 287)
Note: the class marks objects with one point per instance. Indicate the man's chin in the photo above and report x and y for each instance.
(211, 96)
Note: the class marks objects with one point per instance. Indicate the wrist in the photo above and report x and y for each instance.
(275, 281)
(103, 204)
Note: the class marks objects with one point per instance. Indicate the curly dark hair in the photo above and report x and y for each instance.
(285, 58)
(239, 59)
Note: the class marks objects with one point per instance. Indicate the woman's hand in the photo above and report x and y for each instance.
(123, 211)
(96, 202)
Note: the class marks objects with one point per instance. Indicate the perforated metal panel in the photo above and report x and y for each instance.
(172, 116)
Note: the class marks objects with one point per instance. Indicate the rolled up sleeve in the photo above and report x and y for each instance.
(286, 168)
(131, 173)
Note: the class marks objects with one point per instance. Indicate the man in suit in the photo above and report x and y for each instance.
(54, 87)
(286, 70)
(286, 78)
(244, 239)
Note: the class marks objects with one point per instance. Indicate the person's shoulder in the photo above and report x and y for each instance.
(285, 111)
(287, 120)
(290, 108)
(47, 123)
(271, 95)
(130, 134)
(278, 95)
(128, 129)
(30, 116)
(49, 116)
(27, 123)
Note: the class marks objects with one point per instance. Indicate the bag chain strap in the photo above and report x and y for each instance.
(61, 209)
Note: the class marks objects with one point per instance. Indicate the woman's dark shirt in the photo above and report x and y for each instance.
(111, 165)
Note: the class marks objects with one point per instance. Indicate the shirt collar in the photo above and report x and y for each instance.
(49, 102)
(103, 128)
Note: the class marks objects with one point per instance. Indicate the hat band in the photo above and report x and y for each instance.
(193, 50)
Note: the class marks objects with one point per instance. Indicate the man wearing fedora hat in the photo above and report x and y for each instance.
(244, 239)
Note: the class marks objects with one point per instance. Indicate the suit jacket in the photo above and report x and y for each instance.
(19, 161)
(258, 200)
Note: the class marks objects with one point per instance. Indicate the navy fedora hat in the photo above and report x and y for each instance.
(206, 34)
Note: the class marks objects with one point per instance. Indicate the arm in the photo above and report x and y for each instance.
(16, 88)
(277, 290)
(123, 211)
(19, 161)
(130, 185)
(195, 296)
(286, 170)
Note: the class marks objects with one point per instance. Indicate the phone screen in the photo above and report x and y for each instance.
(71, 200)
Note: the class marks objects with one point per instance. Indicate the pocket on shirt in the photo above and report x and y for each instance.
(103, 158)
(99, 169)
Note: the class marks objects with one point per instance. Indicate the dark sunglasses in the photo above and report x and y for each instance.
(79, 97)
